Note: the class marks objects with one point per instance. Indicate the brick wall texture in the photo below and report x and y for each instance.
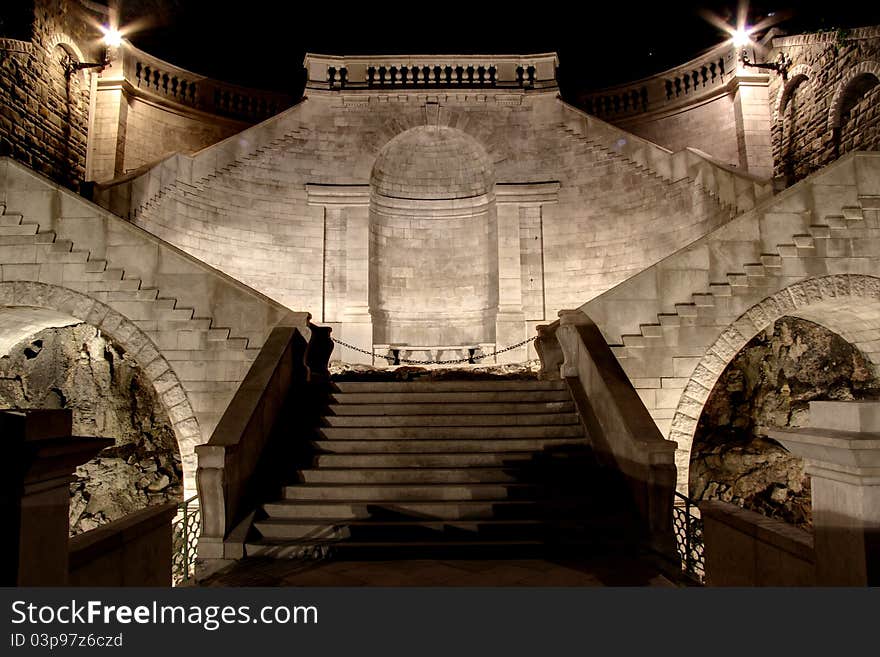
(43, 109)
(826, 67)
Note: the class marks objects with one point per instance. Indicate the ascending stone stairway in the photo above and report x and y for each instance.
(497, 467)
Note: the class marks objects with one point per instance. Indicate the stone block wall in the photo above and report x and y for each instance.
(830, 102)
(285, 205)
(44, 109)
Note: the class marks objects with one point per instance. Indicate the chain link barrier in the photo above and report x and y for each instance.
(396, 360)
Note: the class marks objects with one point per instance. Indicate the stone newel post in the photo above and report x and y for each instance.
(842, 453)
(35, 495)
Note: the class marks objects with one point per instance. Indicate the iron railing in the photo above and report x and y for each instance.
(185, 537)
(688, 527)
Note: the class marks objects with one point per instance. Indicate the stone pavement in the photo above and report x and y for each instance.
(596, 571)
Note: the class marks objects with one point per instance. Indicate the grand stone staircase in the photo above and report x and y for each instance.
(449, 467)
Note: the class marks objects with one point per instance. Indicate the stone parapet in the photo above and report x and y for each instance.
(393, 72)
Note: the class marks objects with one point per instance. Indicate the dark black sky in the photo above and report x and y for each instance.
(261, 43)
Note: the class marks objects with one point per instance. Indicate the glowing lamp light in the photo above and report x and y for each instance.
(112, 37)
(741, 37)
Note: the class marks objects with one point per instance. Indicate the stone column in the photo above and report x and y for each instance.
(348, 207)
(106, 147)
(752, 114)
(510, 321)
(40, 459)
(357, 327)
(841, 449)
(518, 205)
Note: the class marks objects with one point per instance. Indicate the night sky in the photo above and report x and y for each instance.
(261, 43)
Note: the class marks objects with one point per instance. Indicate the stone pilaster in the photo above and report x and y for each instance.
(841, 449)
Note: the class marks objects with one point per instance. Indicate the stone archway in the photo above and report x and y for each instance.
(862, 70)
(846, 304)
(786, 125)
(40, 305)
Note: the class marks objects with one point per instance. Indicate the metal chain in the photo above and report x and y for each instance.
(392, 359)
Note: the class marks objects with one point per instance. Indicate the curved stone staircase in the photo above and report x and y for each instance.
(446, 468)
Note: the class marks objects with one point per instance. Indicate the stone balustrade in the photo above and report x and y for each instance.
(156, 77)
(698, 79)
(434, 71)
(623, 433)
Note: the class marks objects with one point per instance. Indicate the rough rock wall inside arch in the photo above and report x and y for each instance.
(770, 383)
(77, 367)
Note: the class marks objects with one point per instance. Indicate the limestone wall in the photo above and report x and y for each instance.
(146, 109)
(828, 105)
(283, 206)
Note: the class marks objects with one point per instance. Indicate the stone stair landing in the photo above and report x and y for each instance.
(422, 469)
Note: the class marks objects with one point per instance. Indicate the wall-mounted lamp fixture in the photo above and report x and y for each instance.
(112, 39)
(781, 65)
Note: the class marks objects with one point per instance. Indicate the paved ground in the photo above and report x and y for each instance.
(603, 571)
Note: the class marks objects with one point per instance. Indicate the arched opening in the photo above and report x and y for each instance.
(846, 304)
(68, 98)
(794, 142)
(769, 383)
(433, 241)
(852, 118)
(52, 360)
(28, 307)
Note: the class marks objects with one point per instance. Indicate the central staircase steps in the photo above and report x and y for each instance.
(445, 468)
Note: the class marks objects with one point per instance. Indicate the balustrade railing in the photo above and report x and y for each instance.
(480, 71)
(682, 84)
(156, 77)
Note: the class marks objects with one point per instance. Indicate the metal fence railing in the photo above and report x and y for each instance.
(185, 537)
(688, 527)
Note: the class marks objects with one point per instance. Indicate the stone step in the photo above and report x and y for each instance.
(820, 231)
(703, 300)
(402, 461)
(686, 309)
(493, 432)
(524, 473)
(10, 219)
(18, 229)
(506, 397)
(720, 289)
(788, 250)
(436, 509)
(804, 241)
(771, 260)
(451, 408)
(754, 269)
(408, 492)
(652, 330)
(459, 420)
(491, 385)
(409, 530)
(414, 446)
(363, 550)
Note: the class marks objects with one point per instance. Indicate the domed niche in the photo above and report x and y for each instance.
(433, 241)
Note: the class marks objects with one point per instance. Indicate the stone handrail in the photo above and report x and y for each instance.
(135, 550)
(158, 78)
(431, 71)
(737, 189)
(622, 431)
(695, 80)
(294, 355)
